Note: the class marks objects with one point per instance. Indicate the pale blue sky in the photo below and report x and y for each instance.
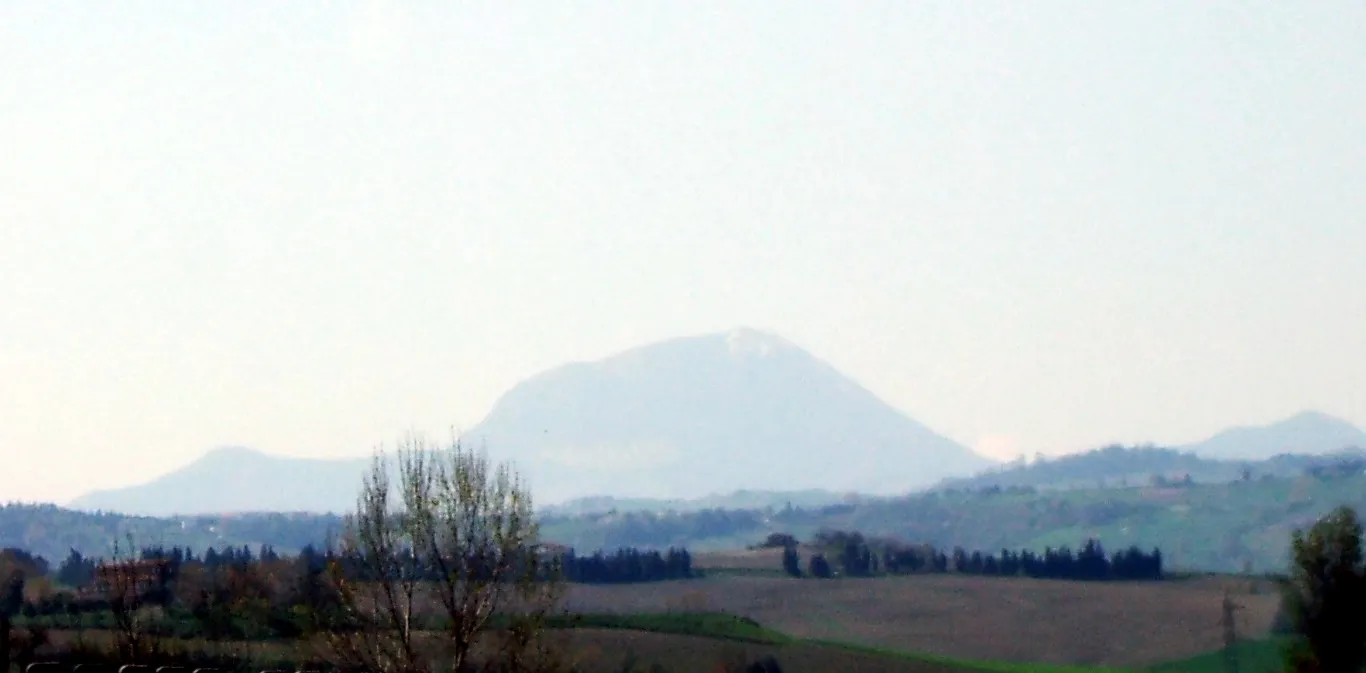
(307, 227)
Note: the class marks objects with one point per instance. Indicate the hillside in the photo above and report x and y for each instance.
(1308, 432)
(712, 414)
(1136, 466)
(52, 531)
(1225, 526)
(1212, 526)
(688, 419)
(236, 479)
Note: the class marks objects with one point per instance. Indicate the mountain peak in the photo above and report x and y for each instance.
(1312, 416)
(233, 452)
(1307, 432)
(682, 418)
(749, 341)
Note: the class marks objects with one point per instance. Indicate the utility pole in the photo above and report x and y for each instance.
(1230, 623)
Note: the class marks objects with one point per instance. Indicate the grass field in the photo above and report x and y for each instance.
(591, 632)
(715, 625)
(610, 643)
(1252, 656)
(979, 618)
(675, 643)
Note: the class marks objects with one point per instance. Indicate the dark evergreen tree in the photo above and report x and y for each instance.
(76, 570)
(817, 566)
(792, 563)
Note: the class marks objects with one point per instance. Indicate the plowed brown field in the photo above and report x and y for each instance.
(1012, 619)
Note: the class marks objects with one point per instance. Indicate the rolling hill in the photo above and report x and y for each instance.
(1206, 526)
(1139, 465)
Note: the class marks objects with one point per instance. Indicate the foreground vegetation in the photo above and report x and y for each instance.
(445, 569)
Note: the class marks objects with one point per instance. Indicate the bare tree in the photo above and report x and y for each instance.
(452, 544)
(124, 581)
(377, 581)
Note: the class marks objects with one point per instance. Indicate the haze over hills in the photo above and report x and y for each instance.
(685, 418)
(1119, 466)
(736, 420)
(717, 413)
(1308, 432)
(239, 479)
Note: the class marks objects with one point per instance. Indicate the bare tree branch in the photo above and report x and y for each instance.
(456, 534)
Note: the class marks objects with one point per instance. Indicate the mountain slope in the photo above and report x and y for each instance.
(1308, 432)
(711, 414)
(1140, 465)
(687, 418)
(236, 479)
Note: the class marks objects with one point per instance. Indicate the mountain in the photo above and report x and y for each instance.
(740, 413)
(1308, 432)
(239, 479)
(709, 414)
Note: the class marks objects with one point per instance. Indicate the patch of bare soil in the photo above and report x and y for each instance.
(1015, 619)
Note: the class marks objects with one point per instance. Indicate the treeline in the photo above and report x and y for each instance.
(78, 570)
(623, 566)
(627, 565)
(241, 593)
(850, 554)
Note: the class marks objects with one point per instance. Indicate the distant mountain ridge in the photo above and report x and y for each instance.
(735, 420)
(1119, 466)
(1308, 432)
(236, 479)
(1284, 448)
(678, 420)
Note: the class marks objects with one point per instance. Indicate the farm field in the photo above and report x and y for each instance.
(613, 650)
(1123, 625)
(610, 650)
(740, 609)
(662, 643)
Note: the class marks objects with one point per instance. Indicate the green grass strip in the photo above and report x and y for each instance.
(1252, 656)
(702, 624)
(969, 664)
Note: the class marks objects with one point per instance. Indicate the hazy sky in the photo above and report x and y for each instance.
(308, 227)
